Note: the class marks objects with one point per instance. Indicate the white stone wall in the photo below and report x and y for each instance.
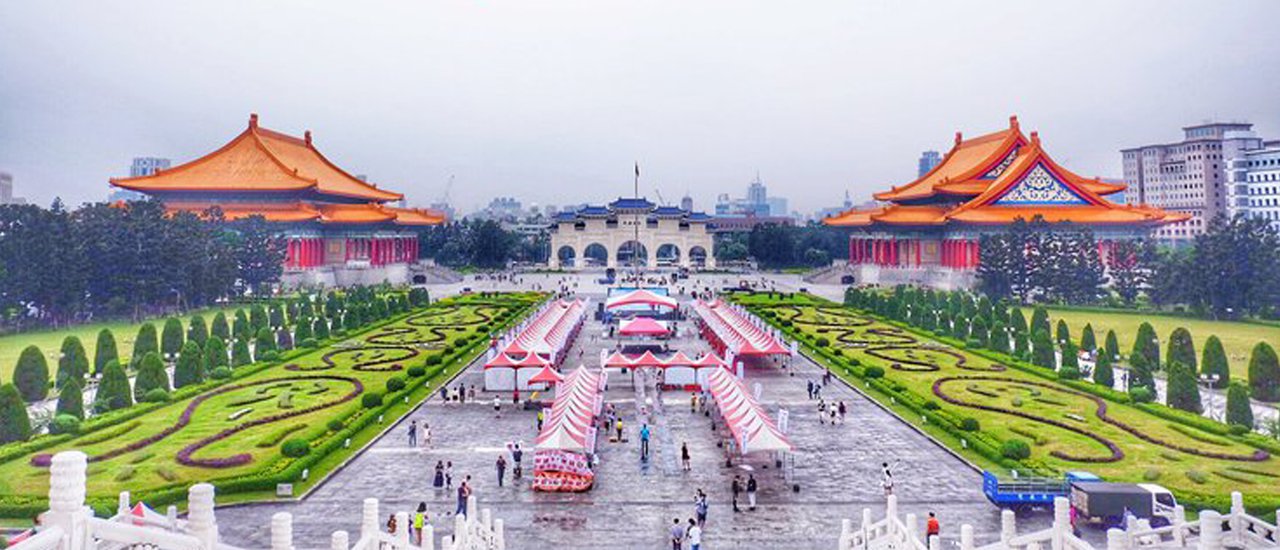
(597, 231)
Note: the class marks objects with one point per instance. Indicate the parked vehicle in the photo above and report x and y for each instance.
(1109, 503)
(1023, 494)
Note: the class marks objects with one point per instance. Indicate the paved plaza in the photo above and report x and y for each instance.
(837, 470)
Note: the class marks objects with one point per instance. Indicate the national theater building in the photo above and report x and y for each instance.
(926, 232)
(339, 230)
(631, 231)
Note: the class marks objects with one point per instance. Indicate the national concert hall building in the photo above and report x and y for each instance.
(927, 232)
(339, 229)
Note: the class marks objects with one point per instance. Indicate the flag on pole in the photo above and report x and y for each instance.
(637, 169)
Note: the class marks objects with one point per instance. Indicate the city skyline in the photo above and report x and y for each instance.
(527, 112)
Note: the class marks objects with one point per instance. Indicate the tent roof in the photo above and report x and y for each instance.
(547, 374)
(640, 296)
(643, 326)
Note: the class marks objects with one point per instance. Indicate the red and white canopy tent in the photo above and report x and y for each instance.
(645, 327)
(641, 297)
(734, 333)
(541, 340)
(752, 429)
(568, 436)
(678, 369)
(547, 375)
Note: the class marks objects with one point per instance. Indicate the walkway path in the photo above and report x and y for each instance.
(632, 505)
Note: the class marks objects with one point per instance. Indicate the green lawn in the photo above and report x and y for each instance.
(50, 340)
(1063, 425)
(236, 427)
(1237, 338)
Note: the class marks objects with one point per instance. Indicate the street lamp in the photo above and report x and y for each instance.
(1209, 381)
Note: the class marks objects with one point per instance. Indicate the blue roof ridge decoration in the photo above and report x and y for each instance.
(631, 202)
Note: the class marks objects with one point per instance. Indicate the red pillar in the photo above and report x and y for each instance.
(977, 254)
(946, 253)
(919, 246)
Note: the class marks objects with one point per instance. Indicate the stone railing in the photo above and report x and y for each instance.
(1212, 531)
(70, 525)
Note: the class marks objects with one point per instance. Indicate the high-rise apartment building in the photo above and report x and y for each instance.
(928, 160)
(1253, 182)
(141, 166)
(6, 190)
(1187, 176)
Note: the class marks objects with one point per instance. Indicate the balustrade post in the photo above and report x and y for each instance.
(428, 541)
(369, 518)
(66, 499)
(866, 524)
(1180, 521)
(1117, 539)
(402, 529)
(891, 508)
(1210, 530)
(486, 518)
(1008, 526)
(1061, 522)
(339, 540)
(282, 531)
(1236, 521)
(966, 537)
(934, 542)
(846, 531)
(499, 534)
(123, 505)
(201, 521)
(910, 526)
(460, 533)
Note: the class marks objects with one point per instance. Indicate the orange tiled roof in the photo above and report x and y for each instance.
(297, 211)
(291, 211)
(260, 160)
(354, 213)
(417, 216)
(988, 169)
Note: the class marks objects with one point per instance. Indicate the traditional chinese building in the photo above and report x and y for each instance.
(927, 231)
(631, 231)
(340, 230)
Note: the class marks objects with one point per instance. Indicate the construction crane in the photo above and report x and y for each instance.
(447, 188)
(661, 200)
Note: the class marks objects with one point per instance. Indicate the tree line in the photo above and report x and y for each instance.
(59, 266)
(480, 243)
(1230, 271)
(198, 352)
(777, 246)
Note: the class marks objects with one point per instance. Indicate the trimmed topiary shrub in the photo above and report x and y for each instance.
(1239, 413)
(145, 342)
(320, 328)
(32, 374)
(197, 330)
(113, 391)
(15, 425)
(1070, 368)
(240, 353)
(215, 354)
(1015, 449)
(257, 317)
(336, 425)
(1042, 351)
(1264, 373)
(1214, 361)
(264, 342)
(1112, 345)
(155, 395)
(969, 424)
(1181, 348)
(64, 424)
(240, 328)
(394, 384)
(822, 342)
(1088, 341)
(71, 399)
(1040, 320)
(220, 328)
(1142, 394)
(1182, 391)
(1063, 334)
(220, 373)
(171, 339)
(104, 351)
(295, 448)
(73, 362)
(151, 376)
(190, 367)
(874, 372)
(269, 355)
(416, 371)
(1147, 345)
(371, 400)
(1103, 374)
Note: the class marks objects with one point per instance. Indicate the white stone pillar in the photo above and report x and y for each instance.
(1236, 521)
(966, 537)
(499, 534)
(866, 525)
(1008, 526)
(123, 505)
(201, 521)
(282, 531)
(910, 525)
(486, 518)
(428, 541)
(459, 531)
(1179, 520)
(369, 518)
(1117, 539)
(846, 533)
(1210, 530)
(66, 498)
(935, 543)
(402, 529)
(340, 540)
(1061, 522)
(891, 507)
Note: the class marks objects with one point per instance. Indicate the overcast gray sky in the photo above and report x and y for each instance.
(552, 101)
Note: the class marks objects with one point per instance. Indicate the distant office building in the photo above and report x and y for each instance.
(6, 190)
(928, 160)
(140, 167)
(501, 208)
(1253, 182)
(686, 203)
(777, 206)
(833, 210)
(1188, 176)
(756, 203)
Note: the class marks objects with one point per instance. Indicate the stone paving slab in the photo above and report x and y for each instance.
(632, 504)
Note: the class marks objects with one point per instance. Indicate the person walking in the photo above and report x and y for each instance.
(887, 479)
(438, 480)
(497, 407)
(391, 524)
(684, 455)
(751, 491)
(736, 488)
(932, 528)
(700, 507)
(644, 441)
(694, 535)
(464, 492)
(822, 412)
(677, 535)
(448, 474)
(419, 521)
(516, 454)
(541, 416)
(843, 410)
(618, 426)
(502, 469)
(426, 434)
(413, 433)
(810, 389)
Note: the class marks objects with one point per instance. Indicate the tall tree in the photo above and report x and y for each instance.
(1130, 264)
(259, 253)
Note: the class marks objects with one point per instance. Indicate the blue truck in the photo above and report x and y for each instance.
(1027, 493)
